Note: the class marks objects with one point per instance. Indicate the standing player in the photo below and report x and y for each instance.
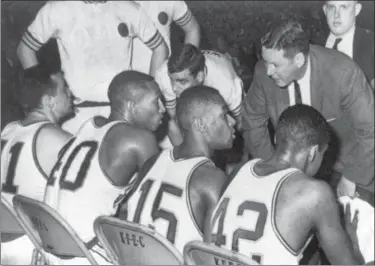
(191, 67)
(163, 13)
(27, 156)
(179, 188)
(95, 40)
(104, 156)
(272, 207)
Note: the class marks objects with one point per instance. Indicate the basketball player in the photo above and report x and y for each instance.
(272, 207)
(178, 187)
(191, 67)
(95, 40)
(29, 150)
(163, 13)
(102, 159)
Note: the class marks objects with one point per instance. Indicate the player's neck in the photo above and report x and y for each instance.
(36, 116)
(119, 116)
(191, 148)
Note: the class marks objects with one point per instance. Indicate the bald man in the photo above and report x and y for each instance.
(102, 160)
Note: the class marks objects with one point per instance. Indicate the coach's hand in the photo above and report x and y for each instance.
(345, 187)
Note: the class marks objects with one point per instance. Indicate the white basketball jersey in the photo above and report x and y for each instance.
(81, 189)
(162, 199)
(94, 40)
(244, 219)
(20, 171)
(162, 14)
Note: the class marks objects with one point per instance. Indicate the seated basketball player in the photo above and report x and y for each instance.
(272, 207)
(178, 187)
(102, 160)
(27, 156)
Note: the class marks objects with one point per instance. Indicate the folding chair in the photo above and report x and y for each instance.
(10, 228)
(130, 243)
(49, 232)
(198, 253)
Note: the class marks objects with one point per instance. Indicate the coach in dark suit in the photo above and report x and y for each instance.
(344, 36)
(293, 71)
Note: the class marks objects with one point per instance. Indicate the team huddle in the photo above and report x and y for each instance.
(121, 81)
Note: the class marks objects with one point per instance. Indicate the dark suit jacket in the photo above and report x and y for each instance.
(340, 91)
(363, 49)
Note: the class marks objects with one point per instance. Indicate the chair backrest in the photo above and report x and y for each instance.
(10, 228)
(48, 230)
(130, 243)
(198, 253)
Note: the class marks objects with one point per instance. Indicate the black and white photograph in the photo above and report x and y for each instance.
(187, 132)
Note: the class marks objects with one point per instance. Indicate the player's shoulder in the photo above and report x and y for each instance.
(128, 135)
(208, 175)
(51, 133)
(309, 189)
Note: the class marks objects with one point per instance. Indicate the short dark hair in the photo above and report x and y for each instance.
(196, 102)
(128, 85)
(189, 57)
(34, 88)
(301, 126)
(287, 35)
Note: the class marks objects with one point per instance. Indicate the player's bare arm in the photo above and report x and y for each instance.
(26, 55)
(206, 187)
(126, 150)
(122, 206)
(174, 132)
(335, 242)
(47, 154)
(192, 32)
(159, 55)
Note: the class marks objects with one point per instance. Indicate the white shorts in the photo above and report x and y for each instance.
(17, 252)
(365, 230)
(84, 113)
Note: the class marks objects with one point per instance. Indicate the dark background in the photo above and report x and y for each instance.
(241, 23)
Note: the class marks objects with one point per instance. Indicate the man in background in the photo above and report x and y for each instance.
(95, 40)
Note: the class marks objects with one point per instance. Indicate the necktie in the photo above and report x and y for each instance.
(297, 93)
(337, 41)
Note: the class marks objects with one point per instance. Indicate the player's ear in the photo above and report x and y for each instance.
(358, 8)
(200, 76)
(130, 106)
(198, 124)
(48, 101)
(313, 153)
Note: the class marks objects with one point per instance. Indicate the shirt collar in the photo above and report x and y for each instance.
(348, 36)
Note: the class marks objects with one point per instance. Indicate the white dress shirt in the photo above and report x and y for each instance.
(304, 84)
(346, 44)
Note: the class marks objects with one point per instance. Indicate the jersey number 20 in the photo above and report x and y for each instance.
(220, 239)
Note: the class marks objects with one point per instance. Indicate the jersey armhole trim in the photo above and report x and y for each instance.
(273, 212)
(33, 147)
(190, 210)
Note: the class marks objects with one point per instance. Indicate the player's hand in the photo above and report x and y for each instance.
(345, 187)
